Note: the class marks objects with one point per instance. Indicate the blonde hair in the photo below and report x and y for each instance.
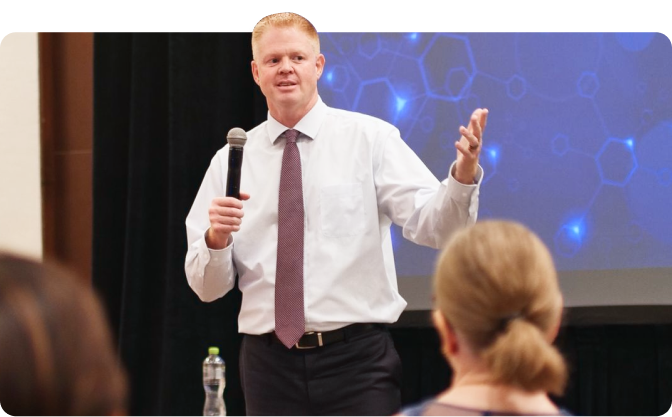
(496, 284)
(284, 20)
(56, 351)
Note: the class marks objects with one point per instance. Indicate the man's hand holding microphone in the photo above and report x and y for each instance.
(226, 213)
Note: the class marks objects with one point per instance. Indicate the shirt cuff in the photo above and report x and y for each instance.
(462, 192)
(220, 256)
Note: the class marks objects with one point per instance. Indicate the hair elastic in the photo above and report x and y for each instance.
(504, 321)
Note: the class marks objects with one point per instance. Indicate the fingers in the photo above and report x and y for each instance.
(471, 138)
(228, 202)
(469, 144)
(226, 214)
(477, 131)
(484, 119)
(477, 122)
(469, 147)
(466, 151)
(473, 135)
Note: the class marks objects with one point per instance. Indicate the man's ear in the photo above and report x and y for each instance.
(255, 72)
(319, 65)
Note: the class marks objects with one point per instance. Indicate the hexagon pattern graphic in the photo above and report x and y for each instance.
(579, 139)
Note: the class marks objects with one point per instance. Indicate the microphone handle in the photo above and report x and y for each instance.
(233, 175)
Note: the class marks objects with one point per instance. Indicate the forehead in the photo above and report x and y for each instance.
(284, 39)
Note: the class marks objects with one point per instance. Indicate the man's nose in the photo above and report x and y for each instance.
(286, 65)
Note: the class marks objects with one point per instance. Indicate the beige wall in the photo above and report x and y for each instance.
(20, 191)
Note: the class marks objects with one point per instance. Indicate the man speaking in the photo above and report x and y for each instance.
(311, 243)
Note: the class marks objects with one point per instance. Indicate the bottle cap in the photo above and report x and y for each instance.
(213, 350)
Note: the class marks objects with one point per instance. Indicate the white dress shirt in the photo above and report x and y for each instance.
(358, 177)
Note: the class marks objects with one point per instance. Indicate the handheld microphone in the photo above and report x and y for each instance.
(236, 138)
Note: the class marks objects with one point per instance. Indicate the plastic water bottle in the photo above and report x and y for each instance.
(213, 383)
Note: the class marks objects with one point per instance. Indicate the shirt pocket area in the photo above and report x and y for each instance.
(342, 210)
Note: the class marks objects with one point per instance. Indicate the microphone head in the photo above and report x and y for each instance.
(236, 137)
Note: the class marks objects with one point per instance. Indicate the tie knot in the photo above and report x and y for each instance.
(291, 135)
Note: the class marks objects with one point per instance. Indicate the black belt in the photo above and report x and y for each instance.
(312, 340)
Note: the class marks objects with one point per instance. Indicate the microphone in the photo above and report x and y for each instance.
(236, 138)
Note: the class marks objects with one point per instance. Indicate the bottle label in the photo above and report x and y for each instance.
(210, 373)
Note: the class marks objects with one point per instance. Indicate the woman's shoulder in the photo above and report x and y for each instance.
(565, 412)
(416, 409)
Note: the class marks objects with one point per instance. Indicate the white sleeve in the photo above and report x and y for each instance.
(428, 211)
(210, 273)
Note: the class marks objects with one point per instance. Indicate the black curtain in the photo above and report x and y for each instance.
(614, 369)
(163, 104)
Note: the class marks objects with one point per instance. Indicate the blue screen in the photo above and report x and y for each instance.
(579, 138)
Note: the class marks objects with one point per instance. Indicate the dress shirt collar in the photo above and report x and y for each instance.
(309, 125)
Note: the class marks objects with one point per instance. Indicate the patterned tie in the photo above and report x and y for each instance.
(289, 316)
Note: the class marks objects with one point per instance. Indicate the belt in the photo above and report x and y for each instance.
(311, 340)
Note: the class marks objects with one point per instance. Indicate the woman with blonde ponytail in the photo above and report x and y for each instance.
(497, 310)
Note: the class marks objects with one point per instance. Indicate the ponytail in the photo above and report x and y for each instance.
(521, 356)
(495, 283)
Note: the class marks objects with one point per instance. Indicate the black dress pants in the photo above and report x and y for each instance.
(357, 376)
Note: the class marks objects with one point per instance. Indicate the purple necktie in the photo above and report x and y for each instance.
(289, 316)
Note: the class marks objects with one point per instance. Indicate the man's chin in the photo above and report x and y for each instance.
(287, 100)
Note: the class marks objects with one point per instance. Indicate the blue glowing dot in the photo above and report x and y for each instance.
(576, 229)
(413, 36)
(493, 154)
(630, 143)
(330, 76)
(400, 104)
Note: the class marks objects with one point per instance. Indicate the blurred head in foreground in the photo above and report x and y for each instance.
(56, 351)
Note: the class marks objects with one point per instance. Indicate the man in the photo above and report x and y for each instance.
(314, 253)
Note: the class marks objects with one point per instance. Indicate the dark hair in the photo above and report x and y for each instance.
(56, 352)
